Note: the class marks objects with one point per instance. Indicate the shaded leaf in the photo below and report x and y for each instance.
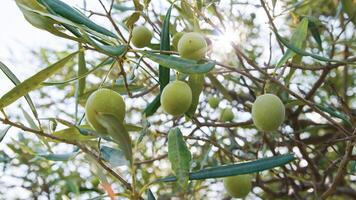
(298, 38)
(33, 82)
(150, 195)
(117, 131)
(179, 156)
(196, 84)
(314, 29)
(153, 106)
(113, 156)
(3, 132)
(334, 113)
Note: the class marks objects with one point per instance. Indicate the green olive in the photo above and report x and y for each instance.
(176, 98)
(141, 36)
(214, 102)
(238, 186)
(268, 112)
(192, 46)
(226, 115)
(104, 101)
(175, 39)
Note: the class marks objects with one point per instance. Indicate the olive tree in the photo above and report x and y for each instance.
(187, 99)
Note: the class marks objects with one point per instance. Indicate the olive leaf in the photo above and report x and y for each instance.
(28, 7)
(237, 169)
(73, 134)
(58, 157)
(163, 70)
(113, 156)
(179, 156)
(150, 195)
(3, 132)
(298, 38)
(16, 81)
(62, 9)
(196, 84)
(33, 82)
(116, 129)
(180, 64)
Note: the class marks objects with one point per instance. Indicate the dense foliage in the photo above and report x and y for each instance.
(264, 88)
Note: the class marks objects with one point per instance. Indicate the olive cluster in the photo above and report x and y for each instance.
(268, 111)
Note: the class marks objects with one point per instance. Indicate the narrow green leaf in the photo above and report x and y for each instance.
(274, 2)
(138, 5)
(353, 167)
(117, 131)
(113, 156)
(3, 132)
(29, 119)
(163, 70)
(33, 82)
(237, 169)
(216, 83)
(4, 158)
(72, 186)
(150, 195)
(132, 19)
(28, 8)
(153, 106)
(180, 64)
(73, 134)
(314, 29)
(122, 8)
(66, 11)
(82, 69)
(105, 62)
(144, 131)
(59, 157)
(16, 81)
(165, 46)
(196, 83)
(334, 113)
(117, 50)
(349, 7)
(132, 128)
(179, 156)
(298, 38)
(304, 53)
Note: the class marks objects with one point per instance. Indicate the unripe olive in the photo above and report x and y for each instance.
(175, 39)
(268, 112)
(141, 36)
(104, 101)
(214, 102)
(238, 186)
(226, 115)
(176, 98)
(192, 46)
